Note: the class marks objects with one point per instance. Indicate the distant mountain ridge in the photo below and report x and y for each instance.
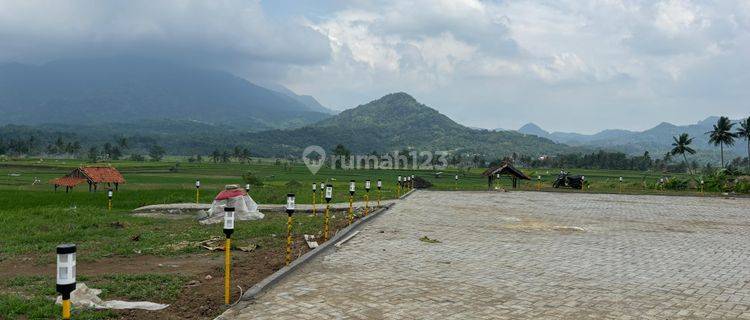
(132, 89)
(655, 140)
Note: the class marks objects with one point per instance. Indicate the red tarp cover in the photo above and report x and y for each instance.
(226, 194)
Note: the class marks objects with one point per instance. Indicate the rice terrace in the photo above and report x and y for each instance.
(184, 159)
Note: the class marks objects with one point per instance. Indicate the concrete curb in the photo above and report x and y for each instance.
(273, 279)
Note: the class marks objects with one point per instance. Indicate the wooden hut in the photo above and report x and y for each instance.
(504, 169)
(91, 175)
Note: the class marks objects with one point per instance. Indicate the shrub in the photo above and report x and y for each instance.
(252, 179)
(293, 184)
(676, 184)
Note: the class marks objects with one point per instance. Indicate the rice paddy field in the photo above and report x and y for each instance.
(158, 259)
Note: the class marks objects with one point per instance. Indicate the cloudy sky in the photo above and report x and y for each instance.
(566, 65)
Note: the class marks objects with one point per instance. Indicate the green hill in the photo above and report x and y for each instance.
(395, 122)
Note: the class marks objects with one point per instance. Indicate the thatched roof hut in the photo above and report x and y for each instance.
(504, 168)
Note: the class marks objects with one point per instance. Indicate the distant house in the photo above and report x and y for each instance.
(504, 169)
(91, 175)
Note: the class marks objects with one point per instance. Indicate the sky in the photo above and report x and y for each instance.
(566, 65)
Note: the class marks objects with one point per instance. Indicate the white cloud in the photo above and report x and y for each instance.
(566, 64)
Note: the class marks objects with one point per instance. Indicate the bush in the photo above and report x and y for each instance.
(137, 157)
(252, 179)
(293, 184)
(676, 184)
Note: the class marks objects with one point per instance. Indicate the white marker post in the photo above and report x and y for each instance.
(66, 275)
(289, 212)
(367, 195)
(328, 196)
(314, 195)
(228, 230)
(380, 185)
(109, 199)
(351, 201)
(197, 191)
(398, 187)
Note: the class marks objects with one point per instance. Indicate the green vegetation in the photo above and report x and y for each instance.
(34, 219)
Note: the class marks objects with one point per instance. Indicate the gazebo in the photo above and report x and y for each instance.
(504, 169)
(91, 175)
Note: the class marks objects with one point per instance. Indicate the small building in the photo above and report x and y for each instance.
(91, 175)
(504, 168)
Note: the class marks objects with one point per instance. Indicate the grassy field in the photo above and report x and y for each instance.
(113, 244)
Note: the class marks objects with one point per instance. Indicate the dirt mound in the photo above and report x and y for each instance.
(421, 183)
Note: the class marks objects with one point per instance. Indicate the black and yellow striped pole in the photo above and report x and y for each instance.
(66, 275)
(411, 180)
(247, 188)
(380, 194)
(197, 191)
(109, 199)
(228, 230)
(620, 184)
(538, 183)
(314, 195)
(398, 188)
(322, 185)
(329, 196)
(289, 212)
(583, 183)
(367, 196)
(351, 201)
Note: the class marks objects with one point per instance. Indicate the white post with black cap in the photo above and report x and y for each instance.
(289, 212)
(380, 193)
(398, 187)
(328, 196)
(351, 201)
(66, 275)
(197, 191)
(228, 230)
(314, 195)
(367, 196)
(109, 199)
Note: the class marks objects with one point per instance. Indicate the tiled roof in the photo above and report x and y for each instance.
(103, 174)
(67, 181)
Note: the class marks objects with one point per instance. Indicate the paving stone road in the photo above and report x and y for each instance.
(530, 255)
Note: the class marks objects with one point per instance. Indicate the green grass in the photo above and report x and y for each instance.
(34, 219)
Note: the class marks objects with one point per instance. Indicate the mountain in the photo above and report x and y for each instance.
(395, 122)
(531, 128)
(307, 100)
(130, 89)
(657, 140)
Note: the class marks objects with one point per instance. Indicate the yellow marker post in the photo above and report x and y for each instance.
(702, 187)
(367, 196)
(228, 230)
(109, 199)
(329, 195)
(538, 183)
(321, 191)
(314, 195)
(379, 185)
(351, 201)
(620, 184)
(398, 188)
(455, 184)
(197, 191)
(66, 275)
(289, 212)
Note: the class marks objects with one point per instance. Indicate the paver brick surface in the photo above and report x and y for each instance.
(530, 255)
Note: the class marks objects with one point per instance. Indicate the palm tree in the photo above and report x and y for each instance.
(744, 132)
(681, 146)
(722, 135)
